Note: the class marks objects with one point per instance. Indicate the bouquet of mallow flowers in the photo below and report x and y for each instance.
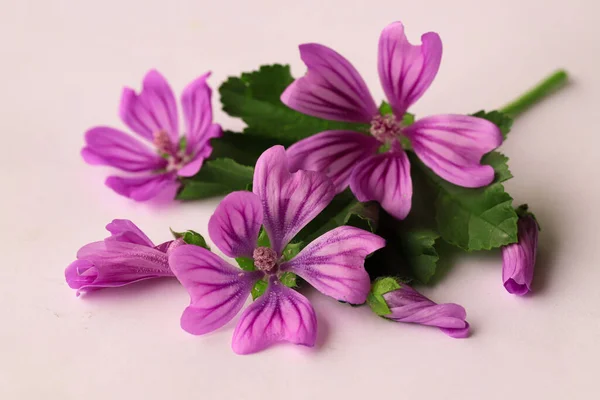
(324, 188)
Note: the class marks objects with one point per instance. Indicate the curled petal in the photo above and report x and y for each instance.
(108, 146)
(154, 110)
(289, 200)
(142, 188)
(385, 178)
(280, 315)
(334, 263)
(331, 89)
(518, 259)
(235, 225)
(405, 70)
(114, 263)
(123, 230)
(334, 153)
(198, 116)
(408, 305)
(217, 289)
(452, 146)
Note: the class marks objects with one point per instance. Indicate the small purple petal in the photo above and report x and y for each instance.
(197, 114)
(331, 89)
(114, 263)
(217, 289)
(154, 110)
(385, 178)
(142, 188)
(289, 200)
(406, 71)
(334, 263)
(108, 146)
(408, 305)
(235, 225)
(280, 315)
(334, 153)
(123, 230)
(452, 146)
(518, 259)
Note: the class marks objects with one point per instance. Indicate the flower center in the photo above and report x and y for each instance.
(162, 141)
(175, 159)
(265, 259)
(385, 128)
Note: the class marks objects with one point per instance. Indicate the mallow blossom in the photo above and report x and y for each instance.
(408, 305)
(451, 145)
(162, 156)
(518, 259)
(125, 257)
(283, 203)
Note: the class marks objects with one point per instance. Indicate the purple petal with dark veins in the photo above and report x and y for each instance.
(217, 289)
(334, 153)
(142, 188)
(153, 110)
(235, 225)
(330, 89)
(408, 305)
(289, 200)
(385, 178)
(108, 146)
(405, 70)
(334, 263)
(280, 315)
(452, 146)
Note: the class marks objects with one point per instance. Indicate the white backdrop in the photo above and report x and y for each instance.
(63, 66)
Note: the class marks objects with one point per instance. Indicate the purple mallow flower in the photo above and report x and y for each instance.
(152, 115)
(125, 257)
(283, 203)
(451, 145)
(399, 302)
(518, 259)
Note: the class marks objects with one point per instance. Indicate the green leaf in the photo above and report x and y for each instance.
(501, 120)
(191, 237)
(417, 248)
(344, 209)
(254, 97)
(242, 148)
(375, 298)
(216, 178)
(500, 164)
(475, 219)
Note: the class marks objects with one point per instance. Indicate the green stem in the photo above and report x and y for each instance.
(546, 87)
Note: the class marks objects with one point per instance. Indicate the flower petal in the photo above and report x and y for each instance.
(280, 315)
(197, 114)
(334, 263)
(518, 259)
(289, 200)
(123, 230)
(142, 188)
(235, 225)
(385, 178)
(334, 153)
(108, 146)
(452, 146)
(331, 89)
(153, 110)
(406, 71)
(408, 305)
(217, 289)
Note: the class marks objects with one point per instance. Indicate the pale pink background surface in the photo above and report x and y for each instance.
(63, 66)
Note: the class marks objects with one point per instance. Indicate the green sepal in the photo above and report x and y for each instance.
(258, 289)
(286, 278)
(375, 298)
(263, 239)
(523, 212)
(498, 118)
(191, 237)
(245, 263)
(291, 250)
(216, 178)
(255, 98)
